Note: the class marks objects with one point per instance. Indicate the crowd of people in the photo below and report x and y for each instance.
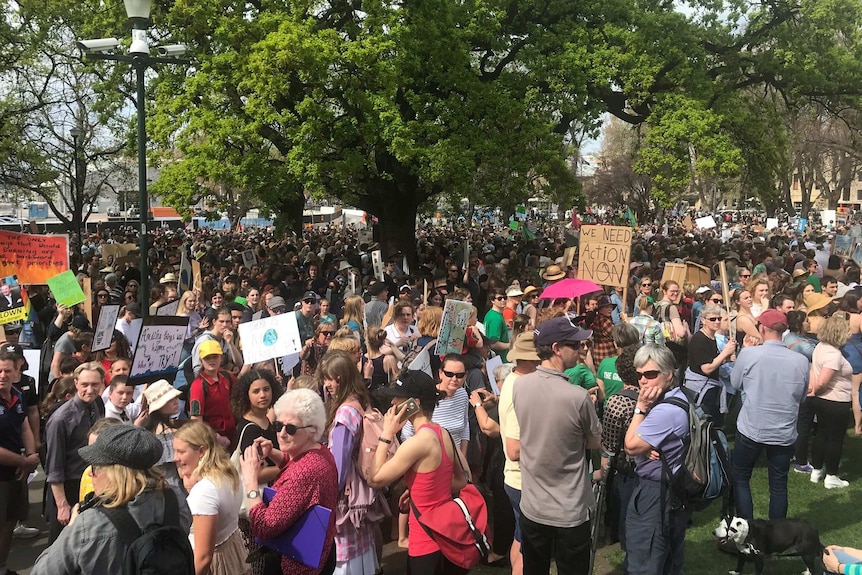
(775, 353)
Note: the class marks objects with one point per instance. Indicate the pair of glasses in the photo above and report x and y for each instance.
(717, 300)
(308, 301)
(328, 333)
(646, 285)
(500, 298)
(458, 374)
(288, 428)
(712, 319)
(651, 374)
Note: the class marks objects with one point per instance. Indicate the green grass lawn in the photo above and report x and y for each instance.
(836, 513)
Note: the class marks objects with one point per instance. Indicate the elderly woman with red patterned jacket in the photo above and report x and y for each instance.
(309, 476)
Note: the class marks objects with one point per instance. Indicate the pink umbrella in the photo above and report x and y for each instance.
(569, 288)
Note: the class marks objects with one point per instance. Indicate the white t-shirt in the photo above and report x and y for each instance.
(392, 335)
(207, 498)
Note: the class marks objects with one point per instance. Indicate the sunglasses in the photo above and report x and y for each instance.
(499, 298)
(646, 285)
(328, 333)
(308, 301)
(717, 300)
(458, 374)
(288, 428)
(712, 319)
(651, 374)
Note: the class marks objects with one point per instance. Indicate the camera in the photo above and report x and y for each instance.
(98, 45)
(172, 50)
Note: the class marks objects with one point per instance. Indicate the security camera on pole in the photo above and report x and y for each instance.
(139, 58)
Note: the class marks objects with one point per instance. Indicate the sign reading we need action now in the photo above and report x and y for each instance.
(605, 252)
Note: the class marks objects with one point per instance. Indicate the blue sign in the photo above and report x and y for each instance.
(801, 224)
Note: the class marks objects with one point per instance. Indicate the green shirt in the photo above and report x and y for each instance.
(607, 372)
(495, 328)
(815, 281)
(581, 375)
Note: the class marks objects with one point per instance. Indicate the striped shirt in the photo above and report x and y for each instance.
(450, 414)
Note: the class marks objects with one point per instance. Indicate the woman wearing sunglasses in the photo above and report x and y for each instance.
(704, 359)
(309, 477)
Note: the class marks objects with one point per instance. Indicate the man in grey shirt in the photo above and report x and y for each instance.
(558, 424)
(775, 381)
(376, 308)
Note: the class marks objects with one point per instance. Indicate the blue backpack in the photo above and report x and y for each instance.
(705, 472)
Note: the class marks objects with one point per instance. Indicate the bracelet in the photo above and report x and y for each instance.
(384, 440)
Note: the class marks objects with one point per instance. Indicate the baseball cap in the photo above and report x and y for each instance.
(703, 289)
(411, 383)
(14, 348)
(310, 295)
(773, 319)
(127, 445)
(560, 330)
(209, 347)
(605, 300)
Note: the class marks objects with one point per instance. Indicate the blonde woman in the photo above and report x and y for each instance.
(759, 290)
(121, 467)
(744, 325)
(353, 314)
(215, 496)
(188, 307)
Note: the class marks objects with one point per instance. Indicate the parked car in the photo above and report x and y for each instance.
(113, 212)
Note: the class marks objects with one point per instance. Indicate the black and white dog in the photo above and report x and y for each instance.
(755, 540)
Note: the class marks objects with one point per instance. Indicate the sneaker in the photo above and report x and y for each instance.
(21, 531)
(835, 482)
(816, 475)
(803, 468)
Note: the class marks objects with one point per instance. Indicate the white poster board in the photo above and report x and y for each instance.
(132, 332)
(705, 223)
(270, 337)
(169, 308)
(104, 333)
(160, 346)
(490, 366)
(771, 223)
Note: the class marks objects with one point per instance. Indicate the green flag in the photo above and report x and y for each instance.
(513, 226)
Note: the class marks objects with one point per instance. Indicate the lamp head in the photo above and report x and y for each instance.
(138, 9)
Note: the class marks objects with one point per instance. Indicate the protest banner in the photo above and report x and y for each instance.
(248, 258)
(169, 308)
(605, 252)
(705, 223)
(104, 333)
(270, 337)
(66, 289)
(87, 288)
(32, 258)
(842, 246)
(13, 301)
(159, 348)
(453, 327)
(377, 262)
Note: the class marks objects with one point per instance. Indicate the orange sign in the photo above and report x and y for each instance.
(33, 258)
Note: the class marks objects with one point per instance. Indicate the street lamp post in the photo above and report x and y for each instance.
(139, 58)
(75, 132)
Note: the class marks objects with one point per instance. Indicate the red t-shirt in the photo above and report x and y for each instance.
(213, 403)
(509, 316)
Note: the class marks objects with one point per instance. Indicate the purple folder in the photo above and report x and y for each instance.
(304, 540)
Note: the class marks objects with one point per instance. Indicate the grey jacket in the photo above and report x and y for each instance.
(91, 544)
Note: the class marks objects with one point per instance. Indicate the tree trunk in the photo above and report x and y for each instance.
(395, 204)
(290, 206)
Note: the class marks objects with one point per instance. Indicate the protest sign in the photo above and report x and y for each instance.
(842, 246)
(605, 252)
(160, 346)
(87, 288)
(270, 337)
(132, 331)
(857, 254)
(377, 262)
(827, 218)
(104, 333)
(856, 231)
(687, 223)
(197, 281)
(569, 256)
(771, 223)
(490, 366)
(66, 289)
(248, 258)
(169, 308)
(453, 327)
(33, 357)
(422, 362)
(13, 301)
(705, 223)
(801, 224)
(33, 259)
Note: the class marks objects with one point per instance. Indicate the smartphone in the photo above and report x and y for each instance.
(259, 451)
(411, 409)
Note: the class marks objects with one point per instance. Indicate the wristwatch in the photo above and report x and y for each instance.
(253, 494)
(477, 405)
(639, 411)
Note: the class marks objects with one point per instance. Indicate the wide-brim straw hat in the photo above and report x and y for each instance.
(553, 272)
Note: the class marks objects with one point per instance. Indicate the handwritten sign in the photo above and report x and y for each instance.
(32, 258)
(248, 258)
(160, 345)
(66, 289)
(169, 308)
(105, 327)
(605, 252)
(270, 337)
(453, 327)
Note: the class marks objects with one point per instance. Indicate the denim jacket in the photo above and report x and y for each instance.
(91, 544)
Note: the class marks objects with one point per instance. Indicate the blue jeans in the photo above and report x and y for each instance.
(745, 455)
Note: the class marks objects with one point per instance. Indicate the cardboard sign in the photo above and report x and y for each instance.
(705, 223)
(377, 262)
(66, 289)
(159, 348)
(197, 281)
(104, 333)
(32, 258)
(842, 246)
(169, 308)
(677, 273)
(605, 253)
(270, 337)
(453, 327)
(687, 223)
(13, 301)
(569, 256)
(249, 259)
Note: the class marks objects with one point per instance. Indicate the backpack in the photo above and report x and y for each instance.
(705, 472)
(662, 315)
(372, 429)
(413, 353)
(156, 549)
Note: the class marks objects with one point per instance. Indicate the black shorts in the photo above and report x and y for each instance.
(14, 501)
